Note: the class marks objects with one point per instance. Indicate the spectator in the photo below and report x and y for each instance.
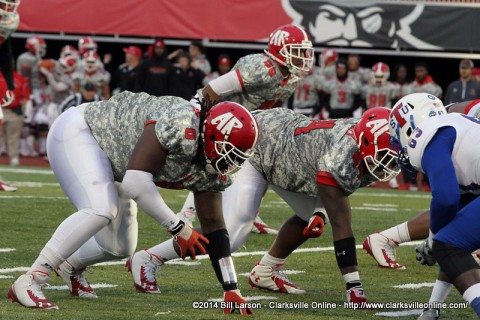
(199, 60)
(476, 74)
(185, 80)
(224, 65)
(465, 88)
(400, 77)
(126, 74)
(86, 94)
(343, 93)
(423, 82)
(153, 72)
(13, 115)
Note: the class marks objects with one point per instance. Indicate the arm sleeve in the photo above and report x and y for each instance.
(138, 185)
(437, 164)
(6, 63)
(227, 84)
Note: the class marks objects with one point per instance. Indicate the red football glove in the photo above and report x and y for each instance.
(314, 229)
(188, 240)
(235, 301)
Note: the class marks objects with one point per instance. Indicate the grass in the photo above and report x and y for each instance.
(30, 216)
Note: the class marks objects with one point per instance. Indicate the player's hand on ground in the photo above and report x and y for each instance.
(235, 302)
(425, 254)
(188, 240)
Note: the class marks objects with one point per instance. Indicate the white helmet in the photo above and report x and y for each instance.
(407, 113)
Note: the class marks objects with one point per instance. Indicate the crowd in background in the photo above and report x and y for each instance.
(338, 87)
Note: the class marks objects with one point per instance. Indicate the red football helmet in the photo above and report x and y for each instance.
(327, 57)
(90, 61)
(381, 73)
(373, 137)
(290, 46)
(9, 6)
(36, 45)
(68, 63)
(229, 134)
(86, 44)
(69, 50)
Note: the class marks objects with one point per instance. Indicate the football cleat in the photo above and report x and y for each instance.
(75, 281)
(430, 314)
(357, 295)
(188, 216)
(27, 291)
(143, 266)
(6, 187)
(234, 301)
(382, 249)
(261, 227)
(273, 279)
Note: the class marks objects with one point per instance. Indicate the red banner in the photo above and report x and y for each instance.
(190, 19)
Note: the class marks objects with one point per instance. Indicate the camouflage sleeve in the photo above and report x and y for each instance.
(255, 73)
(328, 86)
(174, 133)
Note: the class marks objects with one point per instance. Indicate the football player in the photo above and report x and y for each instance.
(380, 92)
(314, 166)
(91, 70)
(444, 147)
(262, 81)
(141, 141)
(9, 20)
(306, 99)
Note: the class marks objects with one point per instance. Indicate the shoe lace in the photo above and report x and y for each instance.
(280, 273)
(37, 289)
(390, 250)
(80, 277)
(150, 269)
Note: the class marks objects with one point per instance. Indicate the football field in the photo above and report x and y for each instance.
(29, 216)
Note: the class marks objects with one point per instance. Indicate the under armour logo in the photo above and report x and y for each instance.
(226, 122)
(340, 253)
(278, 38)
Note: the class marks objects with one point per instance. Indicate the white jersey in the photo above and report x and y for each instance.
(362, 75)
(466, 150)
(380, 96)
(342, 92)
(306, 98)
(98, 78)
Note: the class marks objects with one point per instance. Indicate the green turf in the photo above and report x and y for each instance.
(30, 216)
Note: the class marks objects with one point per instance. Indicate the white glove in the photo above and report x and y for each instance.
(9, 97)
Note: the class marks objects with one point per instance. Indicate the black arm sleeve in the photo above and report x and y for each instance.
(6, 63)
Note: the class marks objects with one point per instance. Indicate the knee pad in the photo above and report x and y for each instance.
(453, 261)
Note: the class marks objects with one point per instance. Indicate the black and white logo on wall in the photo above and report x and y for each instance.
(349, 23)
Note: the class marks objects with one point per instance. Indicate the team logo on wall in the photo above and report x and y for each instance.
(366, 23)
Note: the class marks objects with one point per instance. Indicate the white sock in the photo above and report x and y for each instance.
(268, 260)
(399, 233)
(47, 261)
(189, 203)
(164, 250)
(352, 276)
(472, 293)
(88, 254)
(440, 291)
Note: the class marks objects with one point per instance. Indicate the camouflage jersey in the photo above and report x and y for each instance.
(117, 124)
(306, 99)
(295, 153)
(263, 85)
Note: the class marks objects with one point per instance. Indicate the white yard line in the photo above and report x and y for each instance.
(395, 314)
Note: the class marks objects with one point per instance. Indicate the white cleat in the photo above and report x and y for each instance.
(273, 279)
(430, 314)
(27, 291)
(382, 249)
(261, 227)
(6, 187)
(76, 281)
(143, 266)
(188, 216)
